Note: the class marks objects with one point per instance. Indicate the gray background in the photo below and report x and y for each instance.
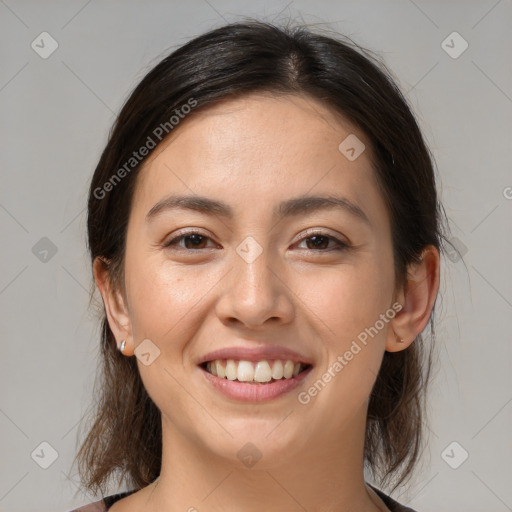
(55, 116)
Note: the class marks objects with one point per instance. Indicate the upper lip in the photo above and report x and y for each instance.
(255, 354)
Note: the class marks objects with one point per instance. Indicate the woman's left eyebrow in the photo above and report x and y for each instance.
(301, 205)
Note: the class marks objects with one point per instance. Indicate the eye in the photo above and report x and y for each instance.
(196, 239)
(320, 241)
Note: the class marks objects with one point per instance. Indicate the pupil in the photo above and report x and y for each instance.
(196, 239)
(317, 237)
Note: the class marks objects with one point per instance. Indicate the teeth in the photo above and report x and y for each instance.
(220, 370)
(231, 370)
(288, 369)
(247, 371)
(277, 370)
(262, 372)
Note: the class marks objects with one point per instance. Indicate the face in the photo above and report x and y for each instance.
(254, 274)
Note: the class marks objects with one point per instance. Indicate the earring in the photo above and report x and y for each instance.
(400, 340)
(122, 346)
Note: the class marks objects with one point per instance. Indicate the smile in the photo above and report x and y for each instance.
(254, 372)
(254, 381)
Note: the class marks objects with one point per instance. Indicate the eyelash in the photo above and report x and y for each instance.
(340, 245)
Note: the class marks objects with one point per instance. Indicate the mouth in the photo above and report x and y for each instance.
(254, 381)
(260, 373)
(255, 374)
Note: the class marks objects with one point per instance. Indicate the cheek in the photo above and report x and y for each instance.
(347, 298)
(161, 297)
(347, 306)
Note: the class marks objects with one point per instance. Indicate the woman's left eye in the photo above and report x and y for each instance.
(319, 242)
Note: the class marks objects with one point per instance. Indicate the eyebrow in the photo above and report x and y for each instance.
(290, 208)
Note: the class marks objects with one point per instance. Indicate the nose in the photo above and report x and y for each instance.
(256, 292)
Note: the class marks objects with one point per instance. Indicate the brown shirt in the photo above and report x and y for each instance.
(104, 504)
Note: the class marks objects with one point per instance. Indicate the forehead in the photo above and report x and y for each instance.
(258, 148)
(243, 127)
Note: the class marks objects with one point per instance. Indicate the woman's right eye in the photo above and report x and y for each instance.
(197, 240)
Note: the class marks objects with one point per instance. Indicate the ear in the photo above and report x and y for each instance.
(418, 300)
(116, 310)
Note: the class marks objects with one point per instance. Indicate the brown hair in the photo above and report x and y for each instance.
(233, 60)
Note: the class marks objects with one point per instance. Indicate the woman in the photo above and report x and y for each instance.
(265, 234)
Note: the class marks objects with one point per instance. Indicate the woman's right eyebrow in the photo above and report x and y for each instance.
(293, 207)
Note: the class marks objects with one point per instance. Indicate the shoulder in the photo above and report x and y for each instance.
(97, 506)
(104, 504)
(390, 503)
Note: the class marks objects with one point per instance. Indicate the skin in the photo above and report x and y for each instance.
(253, 153)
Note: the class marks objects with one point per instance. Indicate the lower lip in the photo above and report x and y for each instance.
(247, 392)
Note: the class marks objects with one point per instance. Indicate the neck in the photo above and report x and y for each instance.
(323, 478)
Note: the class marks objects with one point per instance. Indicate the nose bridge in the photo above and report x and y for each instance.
(254, 292)
(253, 275)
